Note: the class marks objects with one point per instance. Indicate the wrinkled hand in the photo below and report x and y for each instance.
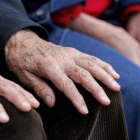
(32, 58)
(133, 26)
(23, 100)
(116, 37)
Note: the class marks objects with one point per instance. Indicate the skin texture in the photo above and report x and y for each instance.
(22, 99)
(32, 59)
(114, 36)
(133, 26)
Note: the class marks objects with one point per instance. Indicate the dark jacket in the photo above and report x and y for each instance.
(13, 18)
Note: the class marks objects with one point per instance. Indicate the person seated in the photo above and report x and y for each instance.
(70, 33)
(116, 23)
(51, 70)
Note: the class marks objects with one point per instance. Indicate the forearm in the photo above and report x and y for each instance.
(91, 26)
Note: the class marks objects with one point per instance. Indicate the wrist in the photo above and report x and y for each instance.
(20, 36)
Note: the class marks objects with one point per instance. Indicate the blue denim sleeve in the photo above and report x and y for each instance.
(126, 3)
(61, 4)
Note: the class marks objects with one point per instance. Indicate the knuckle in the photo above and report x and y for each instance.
(84, 74)
(39, 90)
(94, 58)
(61, 57)
(91, 64)
(46, 62)
(68, 85)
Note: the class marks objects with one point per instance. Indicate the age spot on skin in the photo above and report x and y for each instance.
(75, 70)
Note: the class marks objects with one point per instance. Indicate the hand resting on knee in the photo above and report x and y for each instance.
(15, 94)
(31, 59)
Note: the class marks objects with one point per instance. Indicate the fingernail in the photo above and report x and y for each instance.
(26, 105)
(4, 117)
(48, 100)
(34, 101)
(84, 109)
(116, 85)
(106, 99)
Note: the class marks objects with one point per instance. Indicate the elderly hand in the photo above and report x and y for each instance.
(133, 26)
(116, 37)
(16, 95)
(32, 59)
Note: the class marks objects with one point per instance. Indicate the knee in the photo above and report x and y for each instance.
(21, 124)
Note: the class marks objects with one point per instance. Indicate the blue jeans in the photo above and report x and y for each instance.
(129, 72)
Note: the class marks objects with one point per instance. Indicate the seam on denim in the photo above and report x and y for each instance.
(63, 36)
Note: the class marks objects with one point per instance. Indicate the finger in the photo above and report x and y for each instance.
(42, 89)
(84, 78)
(4, 118)
(99, 74)
(30, 98)
(12, 94)
(107, 67)
(65, 85)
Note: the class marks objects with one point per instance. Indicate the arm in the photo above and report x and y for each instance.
(131, 16)
(32, 58)
(109, 34)
(133, 25)
(114, 36)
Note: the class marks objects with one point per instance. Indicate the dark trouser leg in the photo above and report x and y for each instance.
(63, 122)
(129, 73)
(22, 126)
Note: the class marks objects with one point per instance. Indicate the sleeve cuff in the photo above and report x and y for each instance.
(11, 23)
(63, 17)
(130, 10)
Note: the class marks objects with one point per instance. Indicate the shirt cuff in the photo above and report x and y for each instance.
(13, 22)
(130, 10)
(63, 16)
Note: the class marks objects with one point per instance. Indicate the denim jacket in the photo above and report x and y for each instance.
(12, 11)
(39, 10)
